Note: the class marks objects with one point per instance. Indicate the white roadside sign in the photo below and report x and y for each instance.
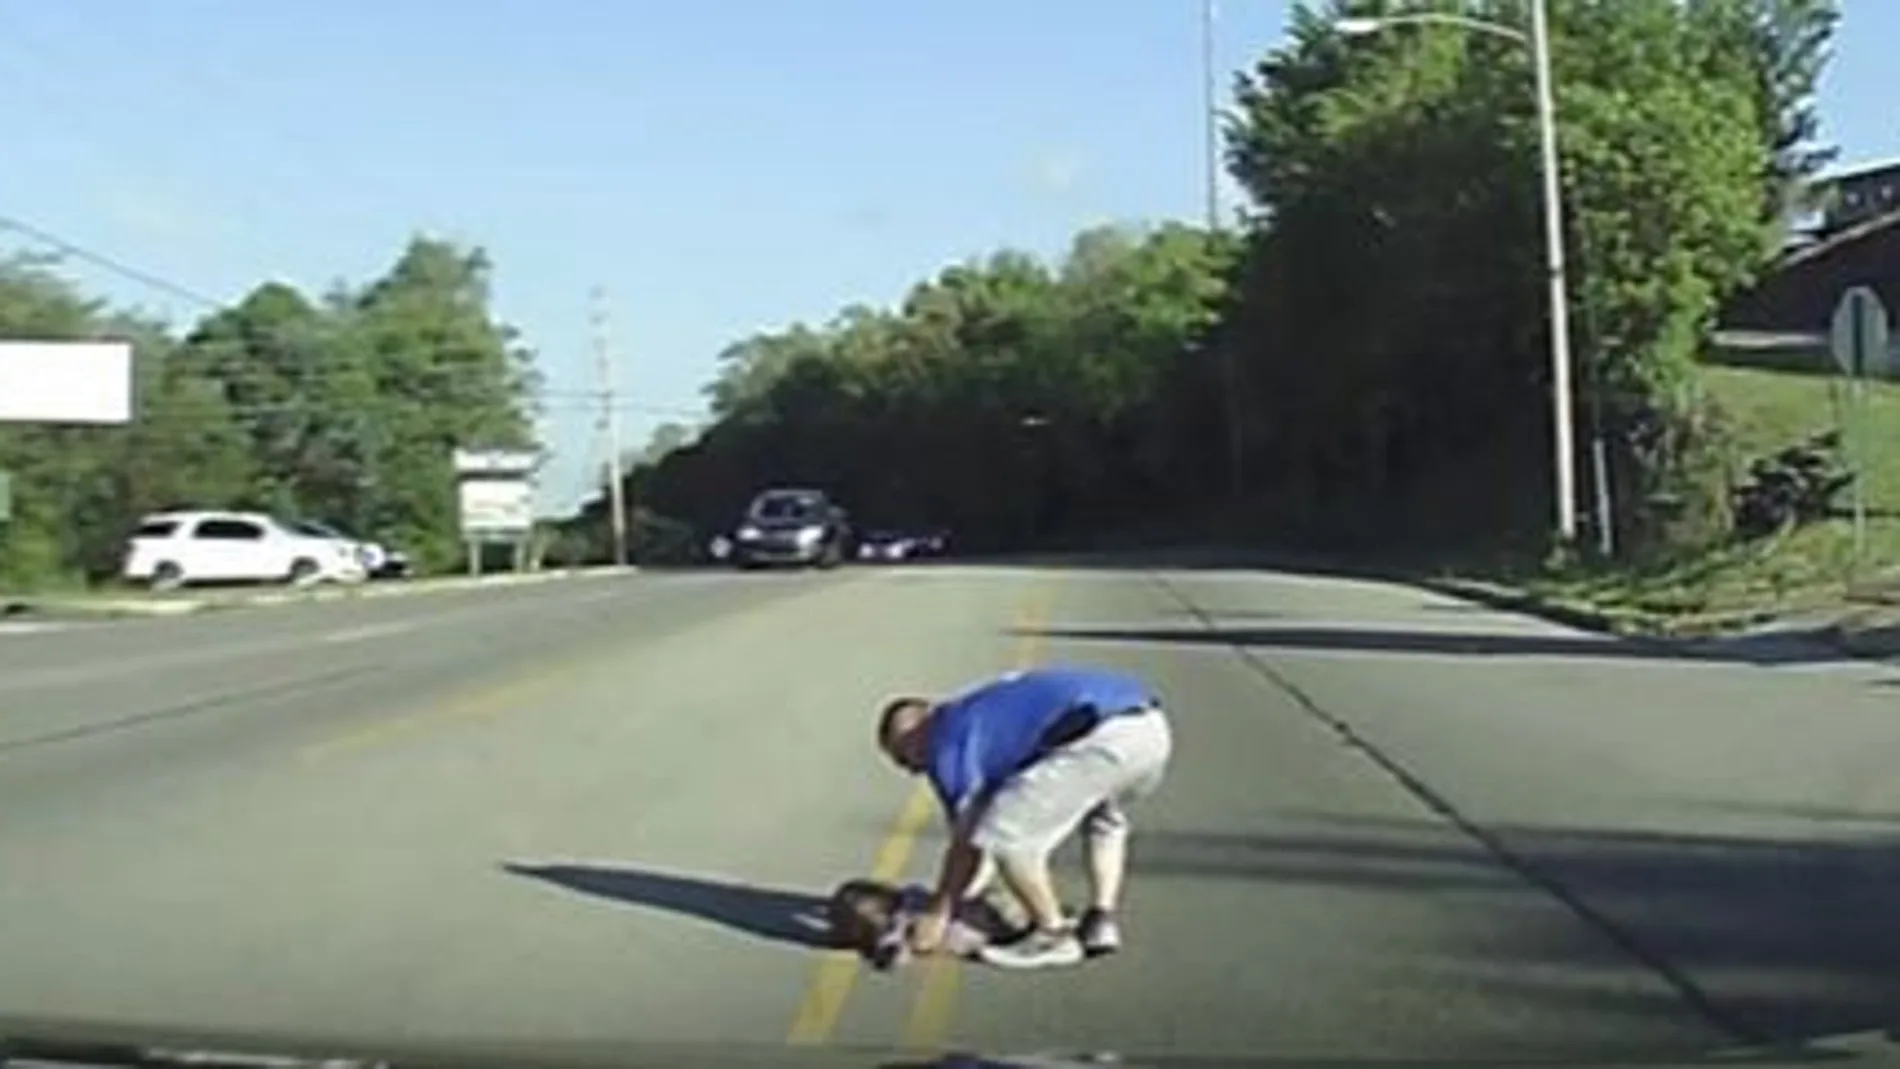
(491, 507)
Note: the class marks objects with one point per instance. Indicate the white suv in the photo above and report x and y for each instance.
(170, 549)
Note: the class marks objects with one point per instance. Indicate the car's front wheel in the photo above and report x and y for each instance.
(303, 571)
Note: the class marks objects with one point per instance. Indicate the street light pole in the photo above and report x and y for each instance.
(1563, 430)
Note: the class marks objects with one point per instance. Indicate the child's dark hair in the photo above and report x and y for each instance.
(860, 912)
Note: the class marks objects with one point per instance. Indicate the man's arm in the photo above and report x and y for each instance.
(960, 864)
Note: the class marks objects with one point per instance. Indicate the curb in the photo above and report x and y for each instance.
(161, 606)
(1511, 599)
(1879, 641)
(1839, 635)
(1628, 623)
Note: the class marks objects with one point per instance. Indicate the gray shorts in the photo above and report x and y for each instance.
(1088, 780)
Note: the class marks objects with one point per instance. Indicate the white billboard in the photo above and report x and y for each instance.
(496, 507)
(65, 382)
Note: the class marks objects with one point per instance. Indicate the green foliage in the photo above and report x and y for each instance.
(1366, 360)
(345, 409)
(1385, 311)
(1001, 398)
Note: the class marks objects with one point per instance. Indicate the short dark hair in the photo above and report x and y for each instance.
(892, 709)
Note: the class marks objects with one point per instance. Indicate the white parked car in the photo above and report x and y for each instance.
(170, 549)
(374, 557)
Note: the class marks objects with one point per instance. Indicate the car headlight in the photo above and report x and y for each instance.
(808, 535)
(748, 532)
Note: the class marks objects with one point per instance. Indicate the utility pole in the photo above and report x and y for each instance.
(1211, 164)
(1210, 113)
(610, 426)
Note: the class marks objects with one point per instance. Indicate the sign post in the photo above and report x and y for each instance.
(1858, 338)
(495, 491)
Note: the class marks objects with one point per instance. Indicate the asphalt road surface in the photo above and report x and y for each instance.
(1397, 825)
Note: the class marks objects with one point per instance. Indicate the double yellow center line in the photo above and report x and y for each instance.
(927, 1025)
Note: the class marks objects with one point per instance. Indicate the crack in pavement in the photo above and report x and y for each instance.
(1685, 986)
(11, 747)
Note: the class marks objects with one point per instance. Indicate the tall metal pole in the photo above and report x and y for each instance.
(1210, 127)
(610, 426)
(1211, 164)
(1562, 427)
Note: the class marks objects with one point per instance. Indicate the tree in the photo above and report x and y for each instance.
(345, 409)
(1397, 324)
(1384, 309)
(445, 375)
(1005, 398)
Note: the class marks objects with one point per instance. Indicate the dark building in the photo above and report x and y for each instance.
(1858, 196)
(1784, 319)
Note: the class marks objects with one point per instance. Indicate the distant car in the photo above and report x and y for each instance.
(169, 549)
(887, 546)
(788, 525)
(934, 544)
(899, 546)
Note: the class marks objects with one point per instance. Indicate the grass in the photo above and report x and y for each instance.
(1811, 568)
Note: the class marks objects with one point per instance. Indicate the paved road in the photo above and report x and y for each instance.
(593, 810)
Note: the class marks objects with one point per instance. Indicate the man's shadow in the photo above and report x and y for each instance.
(782, 916)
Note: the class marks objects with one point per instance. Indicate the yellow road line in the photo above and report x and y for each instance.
(836, 973)
(490, 698)
(497, 696)
(487, 701)
(927, 1027)
(837, 970)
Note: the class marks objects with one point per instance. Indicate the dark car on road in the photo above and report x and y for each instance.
(788, 525)
(888, 545)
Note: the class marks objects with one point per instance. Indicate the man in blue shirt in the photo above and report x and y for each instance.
(1018, 762)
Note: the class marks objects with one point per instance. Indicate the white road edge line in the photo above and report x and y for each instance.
(369, 631)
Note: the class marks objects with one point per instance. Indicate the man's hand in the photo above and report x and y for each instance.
(927, 929)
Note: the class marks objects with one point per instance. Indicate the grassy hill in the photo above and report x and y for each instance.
(1769, 409)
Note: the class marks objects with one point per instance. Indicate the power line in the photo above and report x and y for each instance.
(598, 400)
(209, 408)
(109, 263)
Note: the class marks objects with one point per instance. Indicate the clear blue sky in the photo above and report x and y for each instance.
(720, 167)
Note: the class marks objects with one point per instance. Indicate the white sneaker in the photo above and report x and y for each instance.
(1037, 950)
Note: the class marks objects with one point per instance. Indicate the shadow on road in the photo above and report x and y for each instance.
(1782, 938)
(780, 916)
(1773, 650)
(1200, 560)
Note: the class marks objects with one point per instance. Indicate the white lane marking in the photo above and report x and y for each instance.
(369, 631)
(22, 627)
(205, 655)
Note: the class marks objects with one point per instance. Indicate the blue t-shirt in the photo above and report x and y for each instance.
(981, 737)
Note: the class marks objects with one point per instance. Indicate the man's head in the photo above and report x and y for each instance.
(901, 726)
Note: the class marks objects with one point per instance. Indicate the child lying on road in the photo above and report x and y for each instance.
(874, 919)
